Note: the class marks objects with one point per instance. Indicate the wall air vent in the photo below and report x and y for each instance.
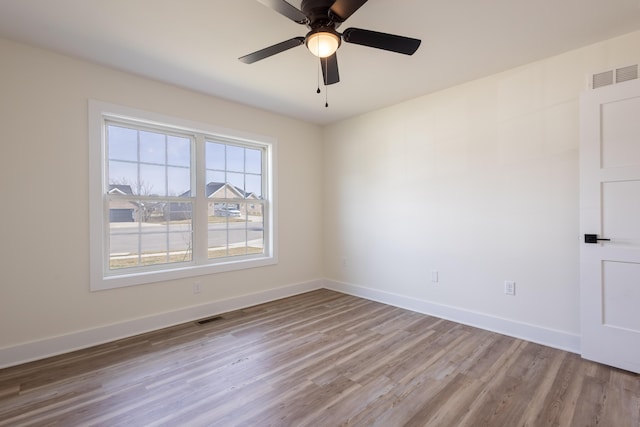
(627, 73)
(602, 79)
(617, 75)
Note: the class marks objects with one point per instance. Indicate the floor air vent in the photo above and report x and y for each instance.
(617, 75)
(208, 320)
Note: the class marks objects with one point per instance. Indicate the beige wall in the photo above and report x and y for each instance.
(44, 260)
(478, 182)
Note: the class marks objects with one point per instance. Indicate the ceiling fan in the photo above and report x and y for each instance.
(323, 17)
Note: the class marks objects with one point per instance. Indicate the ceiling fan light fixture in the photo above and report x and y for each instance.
(323, 43)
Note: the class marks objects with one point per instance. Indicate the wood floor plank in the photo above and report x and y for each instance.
(319, 359)
(446, 405)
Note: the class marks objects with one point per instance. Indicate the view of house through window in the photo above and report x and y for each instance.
(149, 172)
(175, 202)
(234, 191)
(151, 202)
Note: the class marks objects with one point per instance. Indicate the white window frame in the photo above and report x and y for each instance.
(101, 277)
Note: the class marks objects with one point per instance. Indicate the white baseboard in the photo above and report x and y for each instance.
(549, 337)
(40, 349)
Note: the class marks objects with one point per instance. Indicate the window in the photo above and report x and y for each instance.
(234, 190)
(172, 199)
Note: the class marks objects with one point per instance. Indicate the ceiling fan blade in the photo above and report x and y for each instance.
(391, 42)
(329, 67)
(284, 8)
(271, 50)
(343, 9)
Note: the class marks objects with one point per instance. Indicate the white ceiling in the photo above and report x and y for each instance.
(196, 43)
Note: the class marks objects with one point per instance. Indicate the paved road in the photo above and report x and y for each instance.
(160, 238)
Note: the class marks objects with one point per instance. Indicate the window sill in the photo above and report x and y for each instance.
(101, 282)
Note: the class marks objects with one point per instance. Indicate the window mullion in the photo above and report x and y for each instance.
(137, 193)
(200, 204)
(167, 226)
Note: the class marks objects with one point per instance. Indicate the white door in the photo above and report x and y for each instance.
(610, 209)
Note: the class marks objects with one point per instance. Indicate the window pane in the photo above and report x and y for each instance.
(219, 215)
(253, 162)
(218, 241)
(123, 211)
(180, 247)
(217, 190)
(123, 174)
(153, 248)
(235, 158)
(255, 228)
(123, 254)
(152, 181)
(215, 180)
(122, 143)
(123, 234)
(152, 212)
(174, 211)
(179, 181)
(223, 211)
(238, 237)
(152, 148)
(254, 185)
(178, 151)
(217, 244)
(236, 180)
(215, 156)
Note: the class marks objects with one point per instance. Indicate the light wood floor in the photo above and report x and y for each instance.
(319, 359)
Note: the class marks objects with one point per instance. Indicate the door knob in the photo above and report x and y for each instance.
(593, 238)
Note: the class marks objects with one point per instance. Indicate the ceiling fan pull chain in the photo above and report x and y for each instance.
(326, 96)
(318, 75)
(326, 88)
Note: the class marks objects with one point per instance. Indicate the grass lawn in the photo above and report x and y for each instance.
(132, 261)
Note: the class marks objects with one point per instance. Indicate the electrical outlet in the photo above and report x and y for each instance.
(434, 276)
(197, 287)
(509, 287)
(344, 264)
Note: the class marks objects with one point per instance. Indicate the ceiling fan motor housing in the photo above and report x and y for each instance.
(318, 13)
